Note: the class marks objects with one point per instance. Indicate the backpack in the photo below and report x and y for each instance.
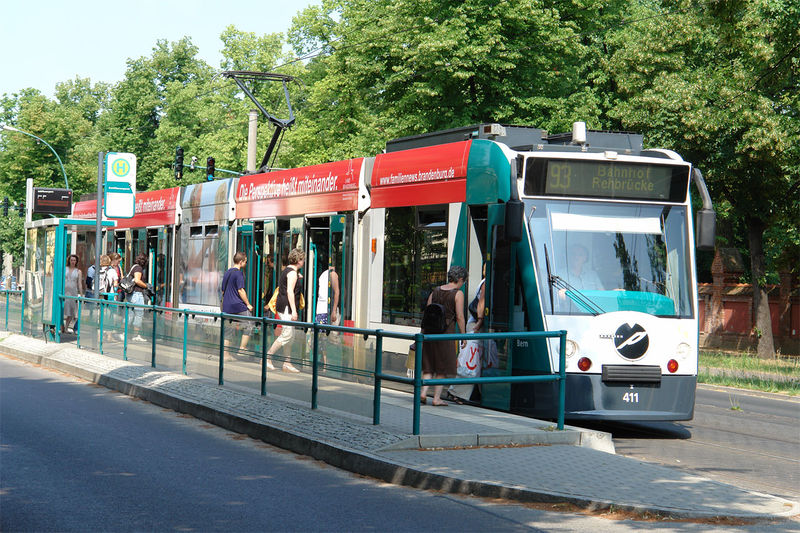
(126, 283)
(433, 319)
(104, 284)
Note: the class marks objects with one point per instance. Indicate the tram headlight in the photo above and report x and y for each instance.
(672, 366)
(571, 348)
(683, 350)
(584, 363)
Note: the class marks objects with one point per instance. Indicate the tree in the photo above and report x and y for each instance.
(12, 237)
(391, 68)
(718, 82)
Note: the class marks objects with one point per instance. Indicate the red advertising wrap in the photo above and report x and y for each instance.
(421, 176)
(152, 208)
(315, 189)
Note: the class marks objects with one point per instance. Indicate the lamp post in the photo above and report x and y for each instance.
(12, 128)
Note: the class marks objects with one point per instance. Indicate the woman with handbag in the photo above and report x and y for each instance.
(290, 289)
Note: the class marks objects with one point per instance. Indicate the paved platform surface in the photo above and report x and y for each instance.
(461, 449)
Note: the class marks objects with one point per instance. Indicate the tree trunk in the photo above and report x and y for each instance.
(766, 347)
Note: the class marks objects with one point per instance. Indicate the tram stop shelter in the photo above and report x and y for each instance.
(48, 242)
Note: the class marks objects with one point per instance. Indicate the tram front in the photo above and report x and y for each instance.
(614, 263)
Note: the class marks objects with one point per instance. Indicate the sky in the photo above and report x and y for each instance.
(43, 42)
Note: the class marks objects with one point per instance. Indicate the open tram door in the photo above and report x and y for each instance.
(245, 242)
(502, 308)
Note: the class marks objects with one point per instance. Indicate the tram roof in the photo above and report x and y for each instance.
(525, 139)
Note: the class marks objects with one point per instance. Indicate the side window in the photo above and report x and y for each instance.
(415, 260)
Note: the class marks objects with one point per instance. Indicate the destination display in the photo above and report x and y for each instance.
(52, 201)
(606, 179)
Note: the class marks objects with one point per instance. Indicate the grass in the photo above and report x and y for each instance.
(746, 371)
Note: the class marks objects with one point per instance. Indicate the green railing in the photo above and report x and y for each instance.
(10, 315)
(173, 328)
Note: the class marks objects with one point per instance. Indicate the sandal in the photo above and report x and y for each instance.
(423, 400)
(443, 404)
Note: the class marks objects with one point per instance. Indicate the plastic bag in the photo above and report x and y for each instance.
(469, 360)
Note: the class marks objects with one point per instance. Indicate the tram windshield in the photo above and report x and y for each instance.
(595, 258)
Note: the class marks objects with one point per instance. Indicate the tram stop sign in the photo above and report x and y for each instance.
(120, 187)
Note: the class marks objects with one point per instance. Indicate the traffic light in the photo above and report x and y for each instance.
(22, 210)
(210, 169)
(5, 206)
(179, 163)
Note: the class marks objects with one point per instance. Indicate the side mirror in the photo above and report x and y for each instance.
(706, 222)
(515, 211)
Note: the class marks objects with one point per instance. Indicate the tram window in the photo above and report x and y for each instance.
(415, 260)
(196, 231)
(212, 229)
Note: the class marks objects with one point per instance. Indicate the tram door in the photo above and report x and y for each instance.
(160, 263)
(341, 258)
(268, 272)
(245, 243)
(500, 297)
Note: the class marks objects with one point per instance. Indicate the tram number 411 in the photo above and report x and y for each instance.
(630, 397)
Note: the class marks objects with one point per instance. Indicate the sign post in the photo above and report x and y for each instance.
(98, 237)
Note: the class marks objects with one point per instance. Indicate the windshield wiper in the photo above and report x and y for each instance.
(574, 294)
(549, 278)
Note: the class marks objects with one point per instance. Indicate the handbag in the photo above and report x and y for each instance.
(127, 284)
(273, 301)
(411, 359)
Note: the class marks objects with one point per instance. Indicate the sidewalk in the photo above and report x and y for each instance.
(461, 449)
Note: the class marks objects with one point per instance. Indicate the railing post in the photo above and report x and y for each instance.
(221, 347)
(185, 337)
(78, 334)
(100, 342)
(7, 295)
(314, 369)
(562, 381)
(153, 349)
(376, 397)
(263, 356)
(125, 334)
(417, 380)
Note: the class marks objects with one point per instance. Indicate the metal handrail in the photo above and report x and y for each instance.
(378, 375)
(8, 293)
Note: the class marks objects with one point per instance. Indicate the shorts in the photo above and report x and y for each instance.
(246, 326)
(322, 318)
(287, 332)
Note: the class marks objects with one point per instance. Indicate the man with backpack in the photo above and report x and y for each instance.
(445, 308)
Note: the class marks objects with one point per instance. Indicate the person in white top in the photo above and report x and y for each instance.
(329, 278)
(325, 315)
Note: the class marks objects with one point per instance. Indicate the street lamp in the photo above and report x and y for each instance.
(12, 128)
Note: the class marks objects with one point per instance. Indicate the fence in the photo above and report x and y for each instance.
(172, 334)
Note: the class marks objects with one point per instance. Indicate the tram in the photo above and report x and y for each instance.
(584, 231)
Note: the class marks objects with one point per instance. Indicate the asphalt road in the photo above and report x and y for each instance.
(747, 439)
